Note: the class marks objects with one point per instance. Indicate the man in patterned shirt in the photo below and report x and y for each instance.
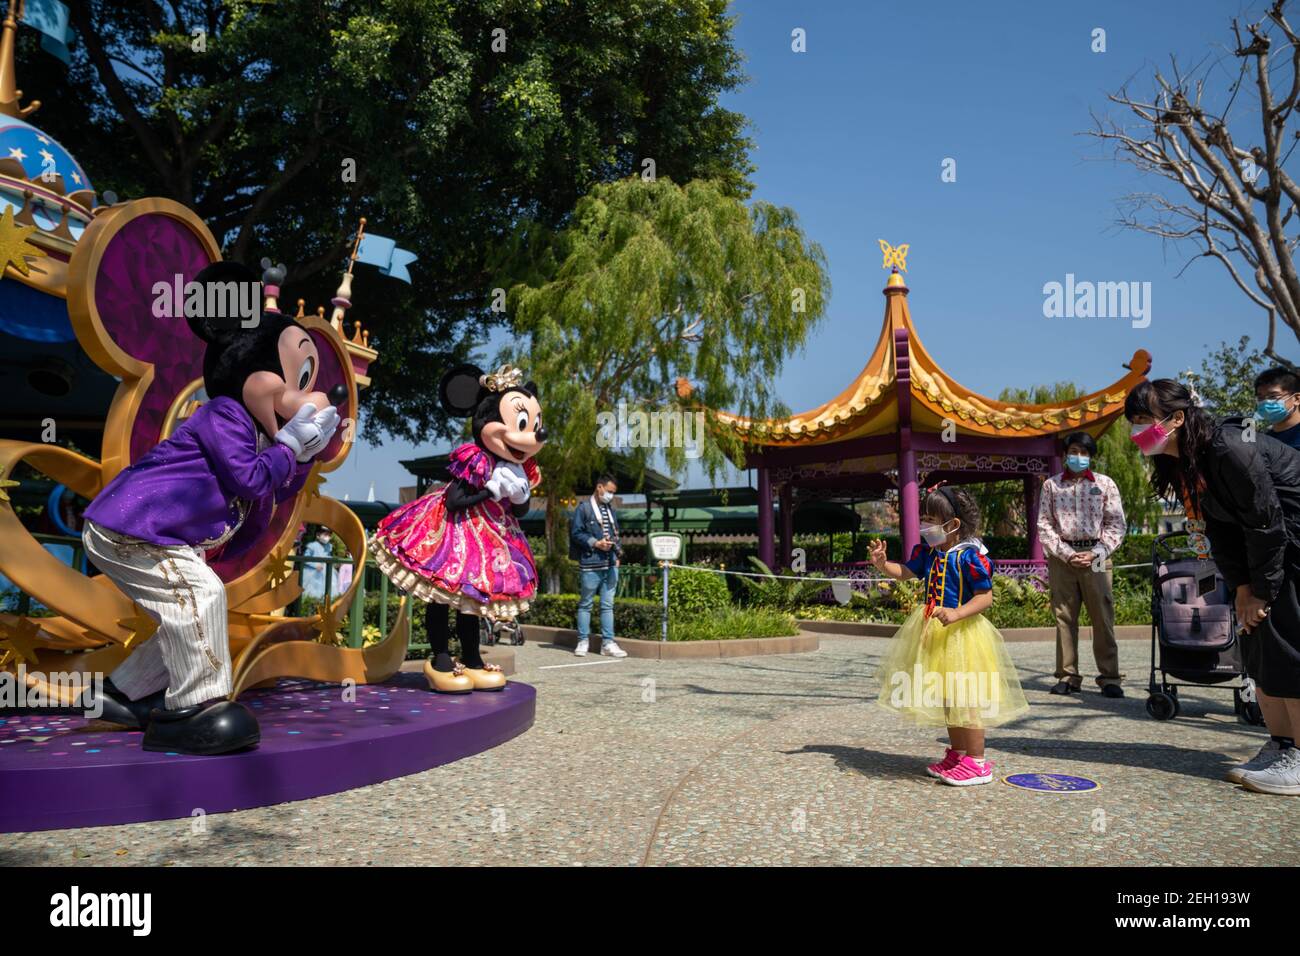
(1081, 523)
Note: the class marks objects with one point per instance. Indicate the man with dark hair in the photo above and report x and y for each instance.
(1081, 523)
(1277, 390)
(594, 543)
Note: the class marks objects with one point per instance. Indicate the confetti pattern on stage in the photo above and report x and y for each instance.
(312, 711)
(62, 771)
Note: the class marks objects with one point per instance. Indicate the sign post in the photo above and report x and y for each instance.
(666, 547)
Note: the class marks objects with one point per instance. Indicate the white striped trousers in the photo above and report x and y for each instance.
(189, 654)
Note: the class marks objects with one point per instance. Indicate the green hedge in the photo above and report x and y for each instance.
(1016, 603)
(692, 593)
(732, 623)
(633, 617)
(642, 619)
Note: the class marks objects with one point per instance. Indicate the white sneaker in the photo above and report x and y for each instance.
(581, 649)
(1267, 755)
(1282, 777)
(610, 649)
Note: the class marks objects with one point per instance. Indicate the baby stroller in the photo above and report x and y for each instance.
(1193, 631)
(499, 632)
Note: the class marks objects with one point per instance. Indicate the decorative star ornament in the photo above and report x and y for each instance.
(6, 484)
(329, 626)
(20, 638)
(279, 570)
(314, 481)
(140, 624)
(14, 247)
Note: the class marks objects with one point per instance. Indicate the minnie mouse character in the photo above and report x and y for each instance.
(461, 544)
(213, 484)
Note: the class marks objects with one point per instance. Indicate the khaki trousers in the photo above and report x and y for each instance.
(1072, 587)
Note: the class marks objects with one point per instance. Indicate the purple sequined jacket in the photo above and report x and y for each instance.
(206, 480)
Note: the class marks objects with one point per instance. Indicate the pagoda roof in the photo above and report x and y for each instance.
(900, 365)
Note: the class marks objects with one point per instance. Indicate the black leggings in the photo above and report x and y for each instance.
(439, 633)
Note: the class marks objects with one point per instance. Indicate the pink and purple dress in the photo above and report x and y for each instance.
(476, 560)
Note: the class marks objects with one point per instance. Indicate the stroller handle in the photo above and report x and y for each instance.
(1160, 544)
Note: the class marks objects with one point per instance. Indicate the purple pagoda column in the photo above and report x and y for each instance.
(766, 546)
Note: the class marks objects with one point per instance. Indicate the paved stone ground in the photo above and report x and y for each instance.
(776, 760)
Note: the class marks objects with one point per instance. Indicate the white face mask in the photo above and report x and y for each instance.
(934, 535)
(606, 496)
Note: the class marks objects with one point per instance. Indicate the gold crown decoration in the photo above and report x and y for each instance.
(503, 379)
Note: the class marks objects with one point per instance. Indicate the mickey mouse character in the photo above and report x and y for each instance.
(461, 544)
(213, 484)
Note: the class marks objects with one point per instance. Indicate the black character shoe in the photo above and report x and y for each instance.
(105, 702)
(1113, 691)
(217, 727)
(1063, 689)
(115, 707)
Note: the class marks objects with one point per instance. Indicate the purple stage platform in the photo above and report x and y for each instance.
(60, 772)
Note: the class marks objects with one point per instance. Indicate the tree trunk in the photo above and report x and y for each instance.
(557, 543)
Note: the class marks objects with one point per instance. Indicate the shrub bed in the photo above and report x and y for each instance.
(731, 623)
(1016, 603)
(633, 617)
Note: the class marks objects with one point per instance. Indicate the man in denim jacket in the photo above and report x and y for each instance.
(594, 544)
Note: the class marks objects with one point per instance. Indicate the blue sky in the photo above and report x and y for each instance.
(852, 135)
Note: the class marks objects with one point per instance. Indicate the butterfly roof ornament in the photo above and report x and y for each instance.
(895, 256)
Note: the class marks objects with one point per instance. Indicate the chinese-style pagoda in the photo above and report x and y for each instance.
(904, 424)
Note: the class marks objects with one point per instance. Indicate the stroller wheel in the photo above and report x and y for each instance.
(1162, 706)
(1251, 713)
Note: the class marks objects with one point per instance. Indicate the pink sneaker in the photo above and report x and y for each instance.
(950, 759)
(968, 773)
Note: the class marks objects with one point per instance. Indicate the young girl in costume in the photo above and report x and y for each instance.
(460, 546)
(947, 666)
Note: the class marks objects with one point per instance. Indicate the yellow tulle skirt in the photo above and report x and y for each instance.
(959, 675)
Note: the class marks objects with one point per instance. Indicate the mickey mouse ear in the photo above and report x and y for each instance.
(459, 389)
(213, 328)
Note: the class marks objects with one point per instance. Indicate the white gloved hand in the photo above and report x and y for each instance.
(519, 494)
(328, 423)
(300, 434)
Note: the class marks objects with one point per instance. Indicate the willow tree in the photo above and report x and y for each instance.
(660, 300)
(1001, 503)
(280, 123)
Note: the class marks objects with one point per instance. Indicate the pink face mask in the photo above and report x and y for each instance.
(1150, 439)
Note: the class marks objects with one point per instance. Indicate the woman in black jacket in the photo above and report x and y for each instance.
(1241, 489)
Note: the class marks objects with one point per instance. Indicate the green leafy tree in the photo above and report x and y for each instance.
(652, 286)
(441, 121)
(1226, 380)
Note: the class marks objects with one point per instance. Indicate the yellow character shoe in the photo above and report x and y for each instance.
(448, 682)
(487, 677)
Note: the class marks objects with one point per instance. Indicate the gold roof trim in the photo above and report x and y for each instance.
(869, 405)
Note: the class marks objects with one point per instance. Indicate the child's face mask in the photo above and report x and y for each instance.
(935, 534)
